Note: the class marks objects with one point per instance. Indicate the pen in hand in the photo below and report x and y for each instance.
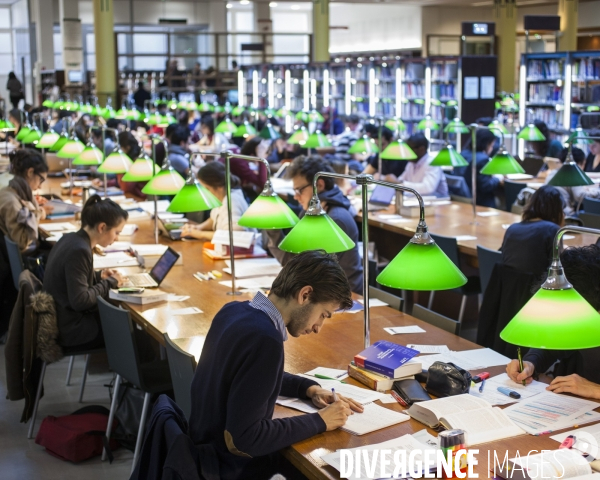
(335, 399)
(520, 357)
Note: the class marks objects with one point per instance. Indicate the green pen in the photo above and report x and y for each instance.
(324, 377)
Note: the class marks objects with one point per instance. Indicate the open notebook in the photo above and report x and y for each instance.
(481, 422)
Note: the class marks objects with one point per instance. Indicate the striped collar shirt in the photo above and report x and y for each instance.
(262, 302)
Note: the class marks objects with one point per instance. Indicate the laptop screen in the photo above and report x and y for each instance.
(382, 195)
(164, 265)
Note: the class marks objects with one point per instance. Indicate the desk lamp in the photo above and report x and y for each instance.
(116, 162)
(205, 107)
(531, 133)
(48, 139)
(72, 148)
(238, 110)
(302, 115)
(421, 265)
(141, 170)
(299, 137)
(364, 146)
(396, 125)
(268, 132)
(449, 156)
(35, 134)
(5, 124)
(570, 175)
(244, 130)
(226, 126)
(193, 197)
(25, 127)
(556, 317)
(91, 154)
(166, 182)
(317, 140)
(268, 211)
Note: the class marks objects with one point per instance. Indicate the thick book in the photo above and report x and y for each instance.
(382, 383)
(481, 422)
(385, 358)
(144, 298)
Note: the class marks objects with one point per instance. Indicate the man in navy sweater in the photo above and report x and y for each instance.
(240, 371)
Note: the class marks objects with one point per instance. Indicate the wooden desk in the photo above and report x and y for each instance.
(336, 344)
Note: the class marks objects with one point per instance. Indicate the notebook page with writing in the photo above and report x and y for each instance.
(483, 425)
(431, 411)
(564, 463)
(373, 418)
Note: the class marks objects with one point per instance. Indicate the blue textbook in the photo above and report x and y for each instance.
(385, 358)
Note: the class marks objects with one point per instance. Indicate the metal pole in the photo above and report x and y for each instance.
(104, 153)
(474, 172)
(226, 155)
(363, 180)
(155, 201)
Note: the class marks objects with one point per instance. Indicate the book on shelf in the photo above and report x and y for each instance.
(550, 464)
(481, 422)
(385, 358)
(414, 72)
(550, 69)
(381, 383)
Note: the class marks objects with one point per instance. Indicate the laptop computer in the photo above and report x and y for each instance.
(381, 198)
(158, 272)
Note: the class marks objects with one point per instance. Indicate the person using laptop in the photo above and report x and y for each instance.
(70, 276)
(302, 171)
(240, 372)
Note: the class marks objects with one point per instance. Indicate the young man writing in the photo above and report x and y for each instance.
(240, 372)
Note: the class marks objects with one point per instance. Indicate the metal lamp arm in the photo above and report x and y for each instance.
(199, 154)
(562, 231)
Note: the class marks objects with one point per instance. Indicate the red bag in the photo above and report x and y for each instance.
(78, 436)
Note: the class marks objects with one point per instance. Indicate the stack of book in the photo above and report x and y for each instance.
(383, 363)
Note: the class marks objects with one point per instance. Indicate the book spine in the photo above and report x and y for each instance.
(380, 369)
(367, 380)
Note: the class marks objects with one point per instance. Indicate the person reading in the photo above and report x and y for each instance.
(240, 372)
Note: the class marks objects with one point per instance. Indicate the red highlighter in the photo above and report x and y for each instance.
(480, 377)
(568, 442)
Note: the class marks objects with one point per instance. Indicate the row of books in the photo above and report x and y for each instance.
(444, 71)
(550, 116)
(545, 69)
(544, 93)
(585, 94)
(412, 110)
(414, 90)
(385, 90)
(414, 71)
(443, 92)
(586, 69)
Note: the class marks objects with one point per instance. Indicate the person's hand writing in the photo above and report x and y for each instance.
(48, 209)
(576, 385)
(513, 371)
(322, 397)
(107, 272)
(335, 414)
(121, 279)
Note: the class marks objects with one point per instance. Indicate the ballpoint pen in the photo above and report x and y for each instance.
(335, 399)
(481, 386)
(520, 357)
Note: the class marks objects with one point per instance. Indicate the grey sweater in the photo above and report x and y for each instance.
(71, 281)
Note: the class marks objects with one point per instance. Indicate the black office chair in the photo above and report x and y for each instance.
(182, 366)
(458, 188)
(449, 246)
(123, 359)
(532, 165)
(590, 220)
(487, 258)
(436, 319)
(392, 300)
(591, 205)
(15, 260)
(511, 191)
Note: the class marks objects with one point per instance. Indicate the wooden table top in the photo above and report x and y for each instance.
(456, 219)
(335, 345)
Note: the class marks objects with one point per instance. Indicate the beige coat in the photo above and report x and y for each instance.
(19, 219)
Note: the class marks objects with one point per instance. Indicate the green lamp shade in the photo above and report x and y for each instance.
(48, 139)
(33, 136)
(316, 232)
(108, 113)
(570, 175)
(300, 137)
(268, 212)
(154, 119)
(422, 267)
(48, 103)
(23, 132)
(237, 111)
(270, 112)
(193, 197)
(244, 130)
(218, 108)
(456, 126)
(448, 156)
(191, 106)
(182, 105)
(165, 182)
(398, 150)
(593, 108)
(395, 125)
(282, 112)
(317, 140)
(315, 116)
(503, 163)
(205, 107)
(497, 127)
(172, 104)
(427, 124)
(71, 149)
(531, 134)
(555, 320)
(302, 116)
(58, 104)
(91, 155)
(6, 126)
(364, 145)
(62, 140)
(142, 170)
(226, 126)
(269, 133)
(116, 162)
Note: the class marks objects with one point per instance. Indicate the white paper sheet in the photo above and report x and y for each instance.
(468, 359)
(129, 229)
(254, 267)
(305, 406)
(430, 348)
(583, 437)
(334, 373)
(492, 395)
(114, 260)
(465, 238)
(252, 284)
(361, 395)
(407, 329)
(62, 227)
(373, 418)
(374, 302)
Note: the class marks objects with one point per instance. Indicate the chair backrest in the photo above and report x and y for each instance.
(590, 220)
(182, 366)
(532, 165)
(449, 246)
(457, 185)
(511, 191)
(435, 319)
(120, 345)
(373, 273)
(487, 258)
(591, 205)
(392, 300)
(15, 260)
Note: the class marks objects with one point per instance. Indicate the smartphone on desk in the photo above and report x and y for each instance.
(131, 290)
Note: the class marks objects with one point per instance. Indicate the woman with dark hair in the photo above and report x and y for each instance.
(15, 89)
(210, 141)
(548, 147)
(527, 245)
(70, 276)
(20, 211)
(212, 176)
(592, 162)
(130, 147)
